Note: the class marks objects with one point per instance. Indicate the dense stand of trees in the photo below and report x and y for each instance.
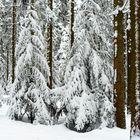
(73, 53)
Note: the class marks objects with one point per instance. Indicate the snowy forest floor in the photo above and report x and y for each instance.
(16, 130)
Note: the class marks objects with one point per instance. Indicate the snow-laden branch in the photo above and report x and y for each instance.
(118, 8)
(124, 5)
(97, 6)
(1, 4)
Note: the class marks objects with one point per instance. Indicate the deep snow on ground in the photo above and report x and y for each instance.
(16, 130)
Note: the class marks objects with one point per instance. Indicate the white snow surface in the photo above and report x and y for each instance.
(16, 130)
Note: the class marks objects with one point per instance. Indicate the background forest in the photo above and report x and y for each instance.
(76, 59)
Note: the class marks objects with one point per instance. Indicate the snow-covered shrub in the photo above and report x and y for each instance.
(87, 103)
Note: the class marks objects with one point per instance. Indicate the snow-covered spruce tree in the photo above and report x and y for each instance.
(61, 43)
(45, 14)
(88, 80)
(87, 108)
(30, 94)
(99, 29)
(61, 59)
(23, 6)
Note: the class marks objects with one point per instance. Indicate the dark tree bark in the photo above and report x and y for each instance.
(72, 22)
(138, 22)
(138, 19)
(50, 45)
(7, 64)
(132, 66)
(13, 38)
(119, 86)
(128, 68)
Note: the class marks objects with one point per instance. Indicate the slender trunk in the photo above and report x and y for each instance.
(138, 19)
(72, 22)
(13, 38)
(128, 60)
(32, 118)
(50, 45)
(30, 71)
(132, 66)
(7, 69)
(119, 85)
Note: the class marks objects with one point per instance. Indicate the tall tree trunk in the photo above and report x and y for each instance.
(119, 85)
(30, 72)
(13, 38)
(132, 66)
(138, 19)
(50, 45)
(72, 22)
(128, 60)
(138, 22)
(7, 64)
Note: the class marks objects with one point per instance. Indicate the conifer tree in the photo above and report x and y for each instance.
(61, 40)
(30, 94)
(88, 89)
